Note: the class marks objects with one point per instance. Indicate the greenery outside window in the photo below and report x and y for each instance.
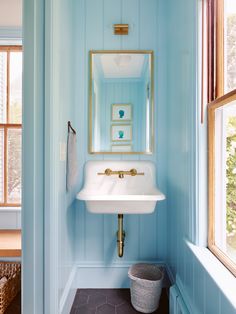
(221, 17)
(10, 125)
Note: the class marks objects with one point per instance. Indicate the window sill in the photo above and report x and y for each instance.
(10, 243)
(223, 278)
(10, 209)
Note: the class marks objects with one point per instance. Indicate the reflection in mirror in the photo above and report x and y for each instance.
(121, 102)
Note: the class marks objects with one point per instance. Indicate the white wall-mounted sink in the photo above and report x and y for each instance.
(113, 195)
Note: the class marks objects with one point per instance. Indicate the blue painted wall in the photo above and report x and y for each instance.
(33, 159)
(185, 133)
(84, 25)
(96, 234)
(64, 98)
(59, 109)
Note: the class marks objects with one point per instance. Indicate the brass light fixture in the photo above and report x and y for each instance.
(121, 29)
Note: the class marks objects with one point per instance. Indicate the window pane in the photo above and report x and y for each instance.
(3, 89)
(231, 183)
(1, 165)
(230, 45)
(15, 87)
(225, 179)
(14, 166)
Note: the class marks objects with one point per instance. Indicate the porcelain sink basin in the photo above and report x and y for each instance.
(110, 194)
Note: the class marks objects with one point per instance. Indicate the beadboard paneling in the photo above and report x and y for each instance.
(96, 234)
(198, 289)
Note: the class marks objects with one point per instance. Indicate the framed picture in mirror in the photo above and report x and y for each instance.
(121, 132)
(121, 112)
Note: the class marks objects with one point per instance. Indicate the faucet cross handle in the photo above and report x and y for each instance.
(133, 172)
(108, 172)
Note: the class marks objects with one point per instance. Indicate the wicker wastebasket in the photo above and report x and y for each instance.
(146, 285)
(10, 283)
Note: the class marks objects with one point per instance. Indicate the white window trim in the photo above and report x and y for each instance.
(10, 36)
(10, 209)
(10, 218)
(200, 217)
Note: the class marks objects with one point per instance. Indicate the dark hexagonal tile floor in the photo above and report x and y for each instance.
(110, 301)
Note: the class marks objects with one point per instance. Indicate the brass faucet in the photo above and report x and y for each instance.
(121, 173)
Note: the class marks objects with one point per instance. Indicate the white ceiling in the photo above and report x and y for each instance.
(11, 13)
(122, 65)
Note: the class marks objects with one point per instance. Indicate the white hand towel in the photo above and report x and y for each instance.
(72, 162)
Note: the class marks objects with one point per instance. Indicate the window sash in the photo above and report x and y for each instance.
(215, 49)
(6, 126)
(218, 103)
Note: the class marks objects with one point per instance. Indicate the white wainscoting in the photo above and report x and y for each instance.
(10, 218)
(100, 275)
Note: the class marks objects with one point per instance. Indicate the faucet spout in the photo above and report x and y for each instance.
(121, 174)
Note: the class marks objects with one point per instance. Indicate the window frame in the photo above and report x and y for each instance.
(215, 49)
(218, 103)
(216, 98)
(6, 126)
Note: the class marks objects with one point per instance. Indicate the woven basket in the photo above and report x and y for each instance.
(146, 285)
(9, 288)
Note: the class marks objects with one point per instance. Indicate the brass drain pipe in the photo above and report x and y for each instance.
(120, 236)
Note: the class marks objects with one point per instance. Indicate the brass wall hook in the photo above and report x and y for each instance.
(70, 127)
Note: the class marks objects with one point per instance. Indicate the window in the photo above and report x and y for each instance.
(221, 51)
(222, 179)
(222, 130)
(10, 125)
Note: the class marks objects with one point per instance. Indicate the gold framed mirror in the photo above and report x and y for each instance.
(121, 102)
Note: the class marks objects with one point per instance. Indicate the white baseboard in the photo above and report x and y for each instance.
(68, 294)
(96, 275)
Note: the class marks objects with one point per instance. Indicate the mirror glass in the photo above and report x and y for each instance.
(121, 102)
